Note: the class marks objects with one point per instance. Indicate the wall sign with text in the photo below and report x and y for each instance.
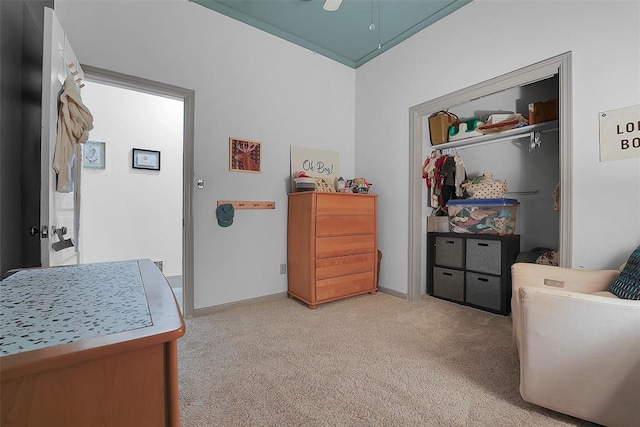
(315, 163)
(620, 134)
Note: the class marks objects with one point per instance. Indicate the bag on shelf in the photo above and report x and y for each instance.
(484, 187)
(439, 124)
(500, 122)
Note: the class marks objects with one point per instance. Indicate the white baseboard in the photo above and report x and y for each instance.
(393, 293)
(205, 311)
(223, 307)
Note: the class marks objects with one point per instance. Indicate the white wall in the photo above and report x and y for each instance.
(132, 213)
(247, 84)
(250, 84)
(486, 39)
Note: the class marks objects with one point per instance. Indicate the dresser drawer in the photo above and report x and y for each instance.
(484, 256)
(345, 204)
(345, 225)
(448, 283)
(343, 266)
(450, 251)
(327, 247)
(344, 285)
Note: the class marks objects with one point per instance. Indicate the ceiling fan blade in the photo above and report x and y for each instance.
(332, 5)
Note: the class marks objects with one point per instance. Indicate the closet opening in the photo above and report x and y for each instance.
(534, 164)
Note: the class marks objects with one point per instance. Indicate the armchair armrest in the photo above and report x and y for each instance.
(580, 354)
(568, 279)
(551, 277)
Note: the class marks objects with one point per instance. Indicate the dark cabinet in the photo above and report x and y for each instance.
(472, 269)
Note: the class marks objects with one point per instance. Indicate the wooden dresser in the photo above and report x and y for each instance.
(89, 345)
(332, 246)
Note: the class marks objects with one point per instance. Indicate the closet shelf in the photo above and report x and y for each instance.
(508, 135)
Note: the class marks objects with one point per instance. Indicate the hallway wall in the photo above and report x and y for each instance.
(133, 213)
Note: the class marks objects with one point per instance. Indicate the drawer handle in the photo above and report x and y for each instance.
(447, 274)
(483, 244)
(450, 241)
(482, 279)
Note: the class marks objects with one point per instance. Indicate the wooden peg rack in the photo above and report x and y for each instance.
(247, 204)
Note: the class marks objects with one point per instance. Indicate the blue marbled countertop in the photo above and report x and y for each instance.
(46, 307)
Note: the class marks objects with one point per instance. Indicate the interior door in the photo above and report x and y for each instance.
(58, 211)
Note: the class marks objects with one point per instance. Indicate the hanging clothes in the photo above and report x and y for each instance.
(428, 173)
(74, 123)
(443, 174)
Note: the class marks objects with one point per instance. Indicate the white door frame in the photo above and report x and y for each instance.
(560, 65)
(125, 81)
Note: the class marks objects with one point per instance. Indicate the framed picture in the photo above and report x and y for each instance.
(245, 155)
(146, 159)
(93, 155)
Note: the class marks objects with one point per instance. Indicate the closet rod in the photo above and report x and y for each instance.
(530, 192)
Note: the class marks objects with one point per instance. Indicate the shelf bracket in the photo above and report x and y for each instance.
(535, 141)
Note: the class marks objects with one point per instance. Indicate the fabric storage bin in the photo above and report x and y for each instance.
(450, 252)
(448, 284)
(483, 216)
(484, 256)
(483, 291)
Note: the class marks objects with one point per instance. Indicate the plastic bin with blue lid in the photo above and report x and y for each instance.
(483, 216)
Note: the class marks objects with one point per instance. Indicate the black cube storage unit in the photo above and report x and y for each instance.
(472, 269)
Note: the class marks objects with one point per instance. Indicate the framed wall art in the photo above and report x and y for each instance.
(245, 155)
(93, 155)
(146, 159)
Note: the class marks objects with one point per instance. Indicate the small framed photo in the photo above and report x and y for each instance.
(93, 155)
(146, 159)
(245, 155)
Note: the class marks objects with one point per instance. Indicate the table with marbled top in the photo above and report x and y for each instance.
(91, 344)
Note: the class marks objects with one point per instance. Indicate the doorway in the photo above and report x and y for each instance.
(131, 209)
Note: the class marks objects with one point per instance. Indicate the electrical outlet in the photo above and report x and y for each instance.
(283, 268)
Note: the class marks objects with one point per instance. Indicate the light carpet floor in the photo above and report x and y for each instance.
(371, 360)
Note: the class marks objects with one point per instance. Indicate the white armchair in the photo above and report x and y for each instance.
(579, 345)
